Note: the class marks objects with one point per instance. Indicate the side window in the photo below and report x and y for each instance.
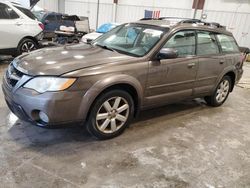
(27, 12)
(7, 13)
(206, 43)
(183, 42)
(228, 44)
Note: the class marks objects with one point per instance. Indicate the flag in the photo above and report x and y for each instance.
(152, 14)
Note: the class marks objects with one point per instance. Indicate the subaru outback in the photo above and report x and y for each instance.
(135, 66)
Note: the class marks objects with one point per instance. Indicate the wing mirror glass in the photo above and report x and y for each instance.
(167, 53)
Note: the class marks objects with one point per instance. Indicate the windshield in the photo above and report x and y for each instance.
(26, 12)
(131, 39)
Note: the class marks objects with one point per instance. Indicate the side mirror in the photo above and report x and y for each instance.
(167, 53)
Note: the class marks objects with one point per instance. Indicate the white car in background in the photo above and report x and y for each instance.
(100, 31)
(19, 29)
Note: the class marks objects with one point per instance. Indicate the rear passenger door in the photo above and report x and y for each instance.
(211, 62)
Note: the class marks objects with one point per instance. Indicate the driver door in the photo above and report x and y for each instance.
(173, 79)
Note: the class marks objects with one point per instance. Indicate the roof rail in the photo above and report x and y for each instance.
(169, 18)
(178, 20)
(165, 18)
(197, 21)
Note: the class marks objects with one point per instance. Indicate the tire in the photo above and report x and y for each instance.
(115, 109)
(26, 45)
(221, 92)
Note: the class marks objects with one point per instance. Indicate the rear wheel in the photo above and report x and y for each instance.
(26, 45)
(110, 114)
(221, 93)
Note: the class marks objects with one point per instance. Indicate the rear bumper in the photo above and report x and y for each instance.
(61, 107)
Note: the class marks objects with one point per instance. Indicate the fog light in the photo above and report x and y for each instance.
(43, 117)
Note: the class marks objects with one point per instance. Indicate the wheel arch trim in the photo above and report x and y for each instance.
(110, 81)
(225, 72)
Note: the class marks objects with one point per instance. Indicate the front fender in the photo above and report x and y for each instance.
(97, 88)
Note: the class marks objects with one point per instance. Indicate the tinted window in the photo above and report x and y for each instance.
(227, 43)
(206, 44)
(183, 42)
(26, 12)
(7, 13)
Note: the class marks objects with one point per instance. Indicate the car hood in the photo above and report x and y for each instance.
(61, 60)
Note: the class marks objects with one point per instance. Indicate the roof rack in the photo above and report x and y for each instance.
(197, 21)
(178, 20)
(166, 18)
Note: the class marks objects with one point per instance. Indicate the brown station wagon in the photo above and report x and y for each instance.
(133, 67)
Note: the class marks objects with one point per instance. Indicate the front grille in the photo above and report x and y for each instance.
(13, 75)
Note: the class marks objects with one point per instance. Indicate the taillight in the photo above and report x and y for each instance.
(41, 25)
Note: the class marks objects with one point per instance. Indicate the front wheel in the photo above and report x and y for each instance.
(110, 114)
(221, 93)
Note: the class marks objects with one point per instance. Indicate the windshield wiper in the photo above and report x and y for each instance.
(106, 47)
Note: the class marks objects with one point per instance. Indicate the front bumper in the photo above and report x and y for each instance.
(62, 107)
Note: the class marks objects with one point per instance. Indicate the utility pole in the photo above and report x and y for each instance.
(97, 13)
(115, 2)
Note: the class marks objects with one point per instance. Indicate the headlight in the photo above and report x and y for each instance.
(43, 84)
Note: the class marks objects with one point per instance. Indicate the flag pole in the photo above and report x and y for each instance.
(97, 14)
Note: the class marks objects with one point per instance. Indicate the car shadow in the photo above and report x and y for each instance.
(36, 137)
(175, 109)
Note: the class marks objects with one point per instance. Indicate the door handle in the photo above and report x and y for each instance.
(191, 65)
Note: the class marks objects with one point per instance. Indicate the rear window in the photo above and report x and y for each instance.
(27, 12)
(227, 43)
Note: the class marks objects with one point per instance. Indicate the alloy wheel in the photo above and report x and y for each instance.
(28, 47)
(112, 115)
(222, 91)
